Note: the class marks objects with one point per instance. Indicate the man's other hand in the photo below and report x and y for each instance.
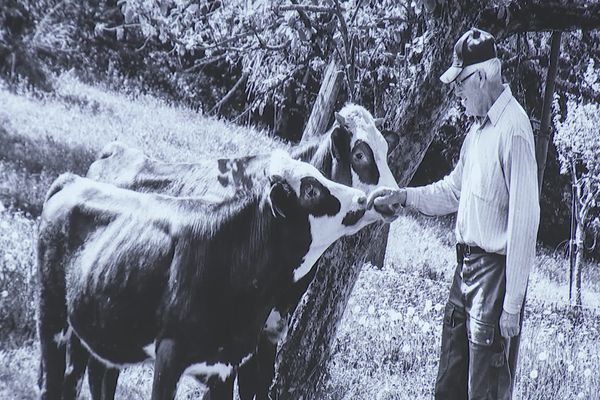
(509, 324)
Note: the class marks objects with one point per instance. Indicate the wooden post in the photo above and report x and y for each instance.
(323, 108)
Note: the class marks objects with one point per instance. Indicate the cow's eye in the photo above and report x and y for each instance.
(359, 156)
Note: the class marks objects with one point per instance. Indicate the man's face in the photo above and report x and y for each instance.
(468, 88)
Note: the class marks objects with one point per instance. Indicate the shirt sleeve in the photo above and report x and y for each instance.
(520, 172)
(441, 197)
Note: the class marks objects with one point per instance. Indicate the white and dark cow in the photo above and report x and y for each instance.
(127, 276)
(353, 152)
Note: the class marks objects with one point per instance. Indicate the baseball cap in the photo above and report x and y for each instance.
(473, 47)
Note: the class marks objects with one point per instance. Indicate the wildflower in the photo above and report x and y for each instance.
(410, 311)
(560, 337)
(394, 315)
(571, 368)
(405, 348)
(581, 395)
(356, 309)
(371, 310)
(425, 327)
(587, 373)
(4, 294)
(533, 374)
(543, 356)
(428, 305)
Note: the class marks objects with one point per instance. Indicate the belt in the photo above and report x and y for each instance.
(463, 250)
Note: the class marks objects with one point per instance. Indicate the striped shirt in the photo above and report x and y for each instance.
(497, 195)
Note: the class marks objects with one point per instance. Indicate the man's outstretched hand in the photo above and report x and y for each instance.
(387, 201)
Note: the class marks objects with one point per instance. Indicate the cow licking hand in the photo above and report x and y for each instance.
(126, 277)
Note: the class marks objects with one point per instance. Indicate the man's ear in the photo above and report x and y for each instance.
(279, 198)
(392, 138)
(340, 144)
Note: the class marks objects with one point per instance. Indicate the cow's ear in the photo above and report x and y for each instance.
(279, 198)
(392, 138)
(340, 144)
(379, 122)
(340, 119)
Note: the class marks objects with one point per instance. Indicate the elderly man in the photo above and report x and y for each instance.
(494, 190)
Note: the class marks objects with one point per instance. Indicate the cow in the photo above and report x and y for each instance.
(188, 281)
(353, 152)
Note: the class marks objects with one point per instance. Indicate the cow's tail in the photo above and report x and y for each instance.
(52, 304)
(58, 184)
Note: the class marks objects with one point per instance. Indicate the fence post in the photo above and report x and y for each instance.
(323, 107)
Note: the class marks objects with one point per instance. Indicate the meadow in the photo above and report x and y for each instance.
(388, 340)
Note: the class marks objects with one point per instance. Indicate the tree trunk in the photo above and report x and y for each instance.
(323, 108)
(303, 354)
(579, 249)
(541, 146)
(376, 254)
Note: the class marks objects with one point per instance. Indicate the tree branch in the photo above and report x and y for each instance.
(303, 17)
(217, 108)
(579, 90)
(540, 15)
(306, 8)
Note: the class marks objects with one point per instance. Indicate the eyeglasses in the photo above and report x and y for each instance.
(459, 83)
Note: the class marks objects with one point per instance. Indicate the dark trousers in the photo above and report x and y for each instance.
(476, 362)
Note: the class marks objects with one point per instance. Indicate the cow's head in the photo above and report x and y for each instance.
(300, 195)
(116, 163)
(359, 150)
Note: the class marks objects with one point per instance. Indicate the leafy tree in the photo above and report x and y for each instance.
(577, 139)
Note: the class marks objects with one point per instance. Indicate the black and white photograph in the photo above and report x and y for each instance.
(300, 199)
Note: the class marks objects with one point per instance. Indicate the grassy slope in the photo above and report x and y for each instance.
(389, 337)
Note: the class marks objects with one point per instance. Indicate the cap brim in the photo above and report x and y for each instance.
(450, 74)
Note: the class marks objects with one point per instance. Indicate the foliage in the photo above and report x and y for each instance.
(278, 50)
(577, 139)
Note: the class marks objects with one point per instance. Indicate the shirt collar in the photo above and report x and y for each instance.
(495, 112)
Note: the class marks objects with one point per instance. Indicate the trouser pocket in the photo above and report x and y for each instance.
(489, 374)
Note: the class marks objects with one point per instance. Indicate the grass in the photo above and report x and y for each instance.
(388, 340)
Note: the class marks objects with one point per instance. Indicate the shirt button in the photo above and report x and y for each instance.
(487, 341)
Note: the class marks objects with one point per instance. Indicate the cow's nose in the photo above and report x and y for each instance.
(361, 200)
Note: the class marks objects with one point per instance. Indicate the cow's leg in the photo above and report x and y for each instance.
(77, 357)
(220, 390)
(95, 376)
(102, 380)
(52, 322)
(168, 367)
(248, 378)
(256, 375)
(265, 358)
